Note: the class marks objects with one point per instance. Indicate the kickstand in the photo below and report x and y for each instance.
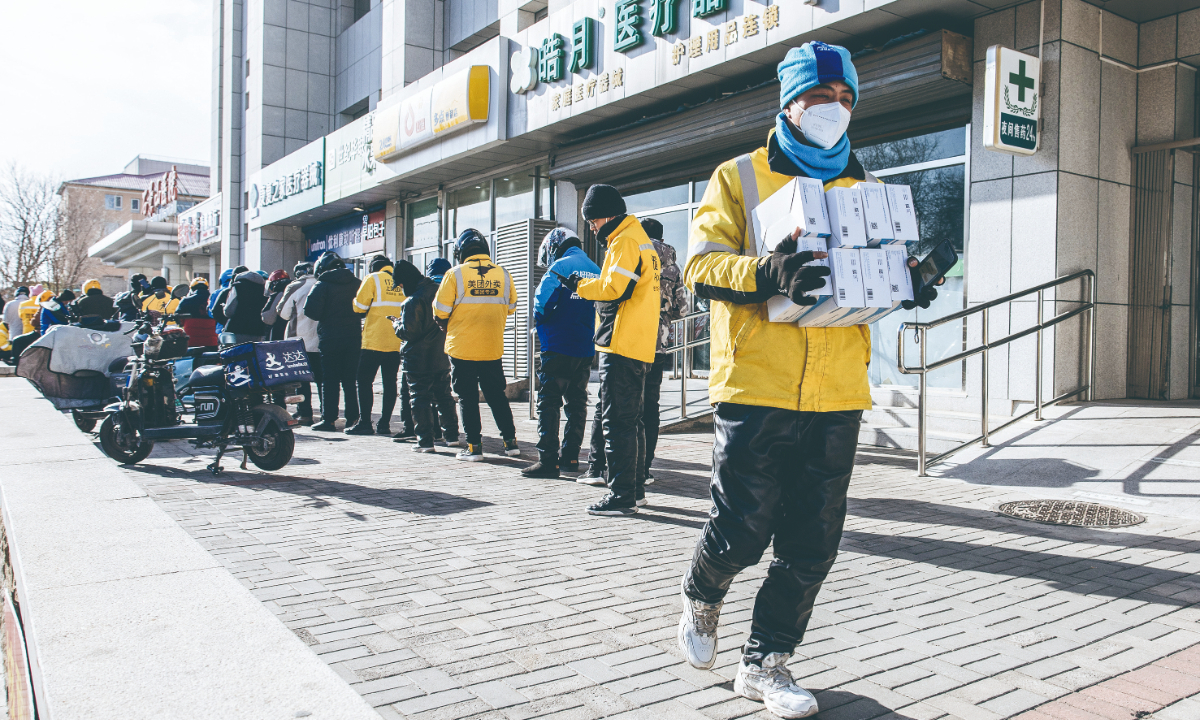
(245, 457)
(215, 467)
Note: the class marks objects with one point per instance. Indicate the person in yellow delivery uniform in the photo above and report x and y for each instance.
(627, 305)
(32, 307)
(378, 297)
(788, 399)
(473, 303)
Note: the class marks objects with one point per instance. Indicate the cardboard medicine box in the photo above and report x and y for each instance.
(847, 228)
(876, 215)
(904, 213)
(792, 206)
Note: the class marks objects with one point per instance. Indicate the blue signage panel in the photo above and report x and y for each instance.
(349, 236)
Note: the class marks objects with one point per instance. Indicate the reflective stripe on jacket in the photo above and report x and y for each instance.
(626, 292)
(477, 296)
(754, 361)
(378, 299)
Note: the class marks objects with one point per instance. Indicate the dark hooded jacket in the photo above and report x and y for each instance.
(95, 304)
(242, 309)
(424, 348)
(331, 304)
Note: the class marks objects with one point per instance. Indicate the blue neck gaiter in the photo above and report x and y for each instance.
(815, 162)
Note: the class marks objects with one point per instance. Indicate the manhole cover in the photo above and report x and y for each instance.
(1068, 512)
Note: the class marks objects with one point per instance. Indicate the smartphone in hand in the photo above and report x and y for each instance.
(935, 265)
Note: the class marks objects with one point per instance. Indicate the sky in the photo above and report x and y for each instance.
(87, 85)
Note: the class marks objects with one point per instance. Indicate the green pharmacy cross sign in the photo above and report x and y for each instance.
(1010, 113)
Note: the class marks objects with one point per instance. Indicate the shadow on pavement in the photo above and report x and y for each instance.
(852, 706)
(918, 511)
(1085, 576)
(418, 502)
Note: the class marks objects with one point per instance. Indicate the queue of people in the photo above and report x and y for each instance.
(785, 432)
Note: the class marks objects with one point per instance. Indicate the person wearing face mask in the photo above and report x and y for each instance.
(797, 391)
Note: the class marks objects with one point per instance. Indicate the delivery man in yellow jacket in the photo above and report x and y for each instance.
(30, 308)
(788, 399)
(473, 304)
(627, 305)
(378, 297)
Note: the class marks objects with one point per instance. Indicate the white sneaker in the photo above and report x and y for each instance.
(772, 685)
(698, 632)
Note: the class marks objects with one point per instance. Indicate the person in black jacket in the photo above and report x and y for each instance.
(423, 354)
(241, 311)
(129, 303)
(276, 326)
(217, 310)
(339, 332)
(94, 307)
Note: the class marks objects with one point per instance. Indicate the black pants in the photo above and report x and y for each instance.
(778, 476)
(648, 430)
(430, 399)
(622, 384)
(468, 378)
(305, 408)
(340, 368)
(370, 362)
(562, 379)
(406, 416)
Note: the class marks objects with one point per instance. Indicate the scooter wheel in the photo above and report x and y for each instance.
(110, 442)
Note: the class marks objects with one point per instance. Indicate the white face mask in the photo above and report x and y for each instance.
(824, 125)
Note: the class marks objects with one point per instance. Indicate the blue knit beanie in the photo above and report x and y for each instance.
(812, 64)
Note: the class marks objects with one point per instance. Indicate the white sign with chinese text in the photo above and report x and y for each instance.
(287, 187)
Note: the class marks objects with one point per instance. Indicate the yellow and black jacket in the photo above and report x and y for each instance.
(378, 298)
(477, 296)
(754, 361)
(626, 293)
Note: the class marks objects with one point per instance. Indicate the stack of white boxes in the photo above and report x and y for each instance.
(865, 229)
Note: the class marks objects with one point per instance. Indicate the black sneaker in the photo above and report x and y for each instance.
(591, 476)
(569, 465)
(510, 447)
(360, 429)
(547, 470)
(382, 428)
(609, 506)
(406, 434)
(325, 426)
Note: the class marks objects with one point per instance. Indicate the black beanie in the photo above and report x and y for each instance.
(159, 282)
(602, 201)
(406, 275)
(653, 228)
(378, 263)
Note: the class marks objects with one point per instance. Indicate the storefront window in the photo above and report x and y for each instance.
(421, 224)
(935, 167)
(470, 207)
(514, 198)
(657, 199)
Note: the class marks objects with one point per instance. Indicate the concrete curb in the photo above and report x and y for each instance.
(125, 615)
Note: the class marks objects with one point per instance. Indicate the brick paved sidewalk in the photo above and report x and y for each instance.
(442, 589)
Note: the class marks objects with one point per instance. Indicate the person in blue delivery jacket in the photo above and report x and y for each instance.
(565, 323)
(226, 278)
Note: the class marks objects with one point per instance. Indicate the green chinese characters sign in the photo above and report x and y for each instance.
(1011, 99)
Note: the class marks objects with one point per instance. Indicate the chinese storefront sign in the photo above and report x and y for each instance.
(746, 26)
(287, 187)
(1011, 113)
(162, 191)
(200, 225)
(348, 236)
(454, 102)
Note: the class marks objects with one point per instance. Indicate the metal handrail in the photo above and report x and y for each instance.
(685, 347)
(983, 349)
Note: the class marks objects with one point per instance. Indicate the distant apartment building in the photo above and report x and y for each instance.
(110, 215)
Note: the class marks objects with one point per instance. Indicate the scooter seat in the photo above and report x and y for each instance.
(207, 376)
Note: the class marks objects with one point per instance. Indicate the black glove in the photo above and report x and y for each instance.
(920, 299)
(570, 282)
(784, 271)
(442, 323)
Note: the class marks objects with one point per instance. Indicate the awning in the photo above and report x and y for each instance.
(137, 243)
(914, 83)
